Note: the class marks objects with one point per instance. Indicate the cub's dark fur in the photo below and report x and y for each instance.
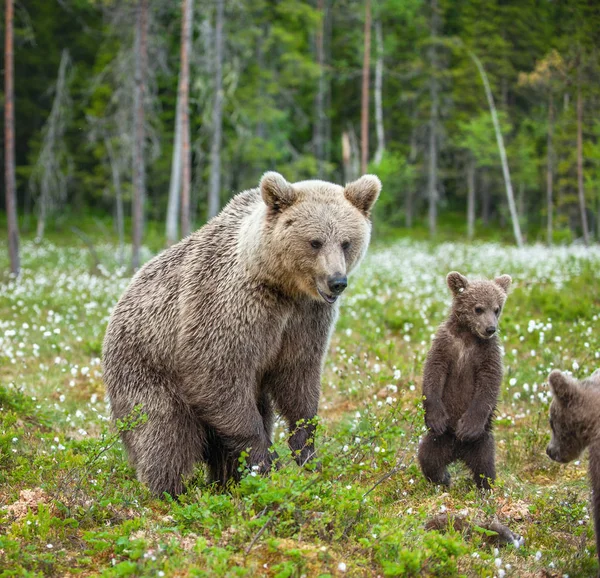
(461, 382)
(575, 424)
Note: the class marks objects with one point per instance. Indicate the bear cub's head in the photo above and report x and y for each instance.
(573, 414)
(477, 305)
(318, 232)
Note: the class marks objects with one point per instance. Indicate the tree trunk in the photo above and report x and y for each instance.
(550, 173)
(186, 173)
(319, 127)
(499, 139)
(116, 177)
(364, 124)
(379, 95)
(141, 57)
(486, 199)
(172, 225)
(9, 144)
(470, 198)
(215, 151)
(432, 184)
(580, 189)
(346, 157)
(410, 194)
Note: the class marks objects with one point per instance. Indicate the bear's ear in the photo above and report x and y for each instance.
(363, 193)
(504, 281)
(456, 282)
(276, 192)
(563, 387)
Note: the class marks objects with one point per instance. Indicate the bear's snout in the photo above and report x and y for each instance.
(553, 454)
(337, 284)
(490, 330)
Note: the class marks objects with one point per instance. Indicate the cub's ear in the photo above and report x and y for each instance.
(276, 192)
(363, 193)
(456, 282)
(504, 281)
(564, 388)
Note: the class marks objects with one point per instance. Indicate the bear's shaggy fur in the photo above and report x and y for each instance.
(461, 382)
(575, 424)
(231, 323)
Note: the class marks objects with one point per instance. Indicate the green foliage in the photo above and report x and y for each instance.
(366, 509)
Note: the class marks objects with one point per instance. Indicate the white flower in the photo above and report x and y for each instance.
(342, 567)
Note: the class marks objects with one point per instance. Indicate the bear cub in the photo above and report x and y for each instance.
(575, 425)
(461, 382)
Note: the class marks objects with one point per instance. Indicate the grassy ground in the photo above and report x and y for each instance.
(364, 514)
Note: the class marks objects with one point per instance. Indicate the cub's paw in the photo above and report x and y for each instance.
(468, 430)
(437, 421)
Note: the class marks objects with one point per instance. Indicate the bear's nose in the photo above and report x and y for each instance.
(550, 453)
(490, 330)
(337, 284)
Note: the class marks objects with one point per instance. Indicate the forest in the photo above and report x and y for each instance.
(154, 113)
(130, 123)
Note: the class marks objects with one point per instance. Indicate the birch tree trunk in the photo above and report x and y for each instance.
(580, 189)
(172, 224)
(186, 45)
(9, 143)
(550, 173)
(379, 95)
(319, 127)
(432, 184)
(141, 57)
(500, 141)
(364, 125)
(215, 151)
(116, 178)
(410, 194)
(470, 198)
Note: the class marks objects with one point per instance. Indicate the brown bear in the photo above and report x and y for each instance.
(575, 425)
(461, 382)
(231, 323)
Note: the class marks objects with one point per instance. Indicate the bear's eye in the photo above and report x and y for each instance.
(497, 311)
(479, 310)
(316, 244)
(345, 245)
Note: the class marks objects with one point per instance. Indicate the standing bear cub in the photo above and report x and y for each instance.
(232, 323)
(461, 382)
(575, 425)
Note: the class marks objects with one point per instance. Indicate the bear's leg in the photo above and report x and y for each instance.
(222, 464)
(435, 454)
(166, 447)
(480, 458)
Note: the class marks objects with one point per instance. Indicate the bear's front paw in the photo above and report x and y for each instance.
(468, 430)
(263, 463)
(437, 421)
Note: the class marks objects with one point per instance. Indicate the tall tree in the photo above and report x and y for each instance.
(9, 143)
(470, 197)
(379, 94)
(186, 42)
(580, 187)
(52, 169)
(217, 117)
(432, 177)
(547, 76)
(320, 118)
(364, 124)
(139, 178)
(501, 149)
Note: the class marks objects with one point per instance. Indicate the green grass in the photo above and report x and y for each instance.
(364, 513)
